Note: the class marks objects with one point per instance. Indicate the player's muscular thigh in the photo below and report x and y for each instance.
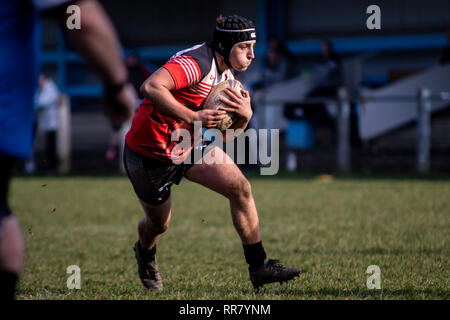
(224, 177)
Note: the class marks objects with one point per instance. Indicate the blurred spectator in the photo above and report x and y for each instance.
(328, 78)
(46, 104)
(303, 118)
(329, 88)
(333, 64)
(276, 65)
(330, 65)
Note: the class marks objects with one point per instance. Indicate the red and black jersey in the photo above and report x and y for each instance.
(194, 72)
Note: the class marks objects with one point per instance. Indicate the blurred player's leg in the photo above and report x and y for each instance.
(11, 241)
(11, 256)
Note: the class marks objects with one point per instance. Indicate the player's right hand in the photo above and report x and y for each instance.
(210, 118)
(119, 105)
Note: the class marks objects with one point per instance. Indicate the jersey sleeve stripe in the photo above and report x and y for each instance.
(198, 86)
(198, 89)
(186, 69)
(189, 67)
(204, 86)
(196, 68)
(192, 67)
(201, 93)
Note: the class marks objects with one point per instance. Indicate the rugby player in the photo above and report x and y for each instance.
(174, 97)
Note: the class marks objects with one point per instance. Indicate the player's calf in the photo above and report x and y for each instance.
(239, 190)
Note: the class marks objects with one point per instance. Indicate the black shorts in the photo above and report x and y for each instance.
(152, 179)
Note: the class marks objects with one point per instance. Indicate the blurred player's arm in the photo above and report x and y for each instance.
(157, 88)
(98, 43)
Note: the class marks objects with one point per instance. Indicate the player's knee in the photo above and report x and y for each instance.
(240, 190)
(160, 227)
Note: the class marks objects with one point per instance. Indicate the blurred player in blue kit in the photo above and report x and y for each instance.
(97, 42)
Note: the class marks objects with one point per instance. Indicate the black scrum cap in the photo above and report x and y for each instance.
(230, 31)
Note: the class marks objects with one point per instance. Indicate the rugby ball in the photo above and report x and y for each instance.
(213, 101)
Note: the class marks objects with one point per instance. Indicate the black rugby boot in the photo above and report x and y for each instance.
(148, 271)
(273, 271)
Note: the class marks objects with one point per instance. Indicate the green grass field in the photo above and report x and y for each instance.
(333, 231)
